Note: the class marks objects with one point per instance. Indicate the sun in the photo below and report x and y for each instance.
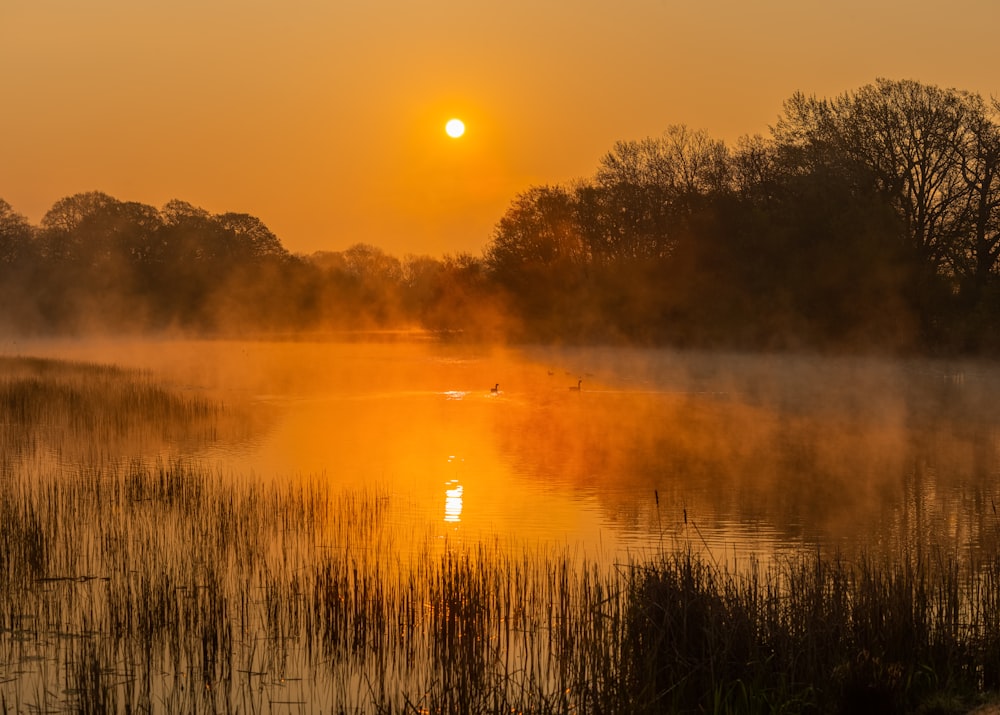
(455, 128)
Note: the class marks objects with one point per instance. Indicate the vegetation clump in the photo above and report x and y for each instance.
(892, 634)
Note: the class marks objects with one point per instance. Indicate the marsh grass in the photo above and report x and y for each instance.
(77, 412)
(151, 584)
(878, 635)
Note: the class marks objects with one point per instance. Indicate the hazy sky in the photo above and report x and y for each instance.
(325, 118)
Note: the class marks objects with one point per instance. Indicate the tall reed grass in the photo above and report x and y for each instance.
(78, 412)
(161, 585)
(886, 634)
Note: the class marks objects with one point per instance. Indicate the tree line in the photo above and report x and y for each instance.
(96, 263)
(870, 220)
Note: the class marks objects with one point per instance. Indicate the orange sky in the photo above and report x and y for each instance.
(325, 118)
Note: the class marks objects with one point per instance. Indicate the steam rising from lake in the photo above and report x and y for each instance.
(733, 453)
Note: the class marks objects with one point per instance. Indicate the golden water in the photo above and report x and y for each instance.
(738, 454)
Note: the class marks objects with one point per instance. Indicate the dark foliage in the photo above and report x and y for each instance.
(870, 221)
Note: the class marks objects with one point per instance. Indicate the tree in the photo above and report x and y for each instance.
(79, 229)
(18, 267)
(176, 212)
(452, 295)
(253, 238)
(539, 230)
(362, 286)
(682, 161)
(647, 190)
(624, 222)
(92, 247)
(539, 256)
(16, 235)
(977, 256)
(906, 136)
(754, 167)
(192, 234)
(94, 230)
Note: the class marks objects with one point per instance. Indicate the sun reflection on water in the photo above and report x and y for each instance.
(453, 502)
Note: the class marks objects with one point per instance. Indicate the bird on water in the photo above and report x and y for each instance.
(577, 387)
(495, 389)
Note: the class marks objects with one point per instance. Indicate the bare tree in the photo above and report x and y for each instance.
(753, 166)
(681, 161)
(646, 190)
(906, 136)
(978, 256)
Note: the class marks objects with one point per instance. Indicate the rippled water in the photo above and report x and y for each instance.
(733, 453)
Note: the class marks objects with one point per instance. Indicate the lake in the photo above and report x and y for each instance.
(733, 454)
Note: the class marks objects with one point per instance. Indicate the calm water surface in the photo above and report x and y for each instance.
(731, 453)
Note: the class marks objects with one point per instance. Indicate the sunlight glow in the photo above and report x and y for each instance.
(453, 502)
(455, 128)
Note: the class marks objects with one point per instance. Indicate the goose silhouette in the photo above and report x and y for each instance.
(577, 387)
(495, 389)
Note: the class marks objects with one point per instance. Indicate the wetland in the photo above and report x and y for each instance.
(364, 525)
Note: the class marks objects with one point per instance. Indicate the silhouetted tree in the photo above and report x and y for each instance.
(539, 256)
(917, 144)
(252, 239)
(975, 319)
(18, 266)
(211, 271)
(96, 231)
(90, 244)
(79, 229)
(754, 168)
(423, 282)
(454, 295)
(360, 287)
(97, 262)
(976, 258)
(539, 229)
(16, 236)
(908, 136)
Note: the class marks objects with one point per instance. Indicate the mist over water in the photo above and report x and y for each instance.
(736, 454)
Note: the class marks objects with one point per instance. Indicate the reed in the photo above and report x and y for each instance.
(886, 634)
(77, 412)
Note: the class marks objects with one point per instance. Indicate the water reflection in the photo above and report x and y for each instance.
(453, 502)
(763, 452)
